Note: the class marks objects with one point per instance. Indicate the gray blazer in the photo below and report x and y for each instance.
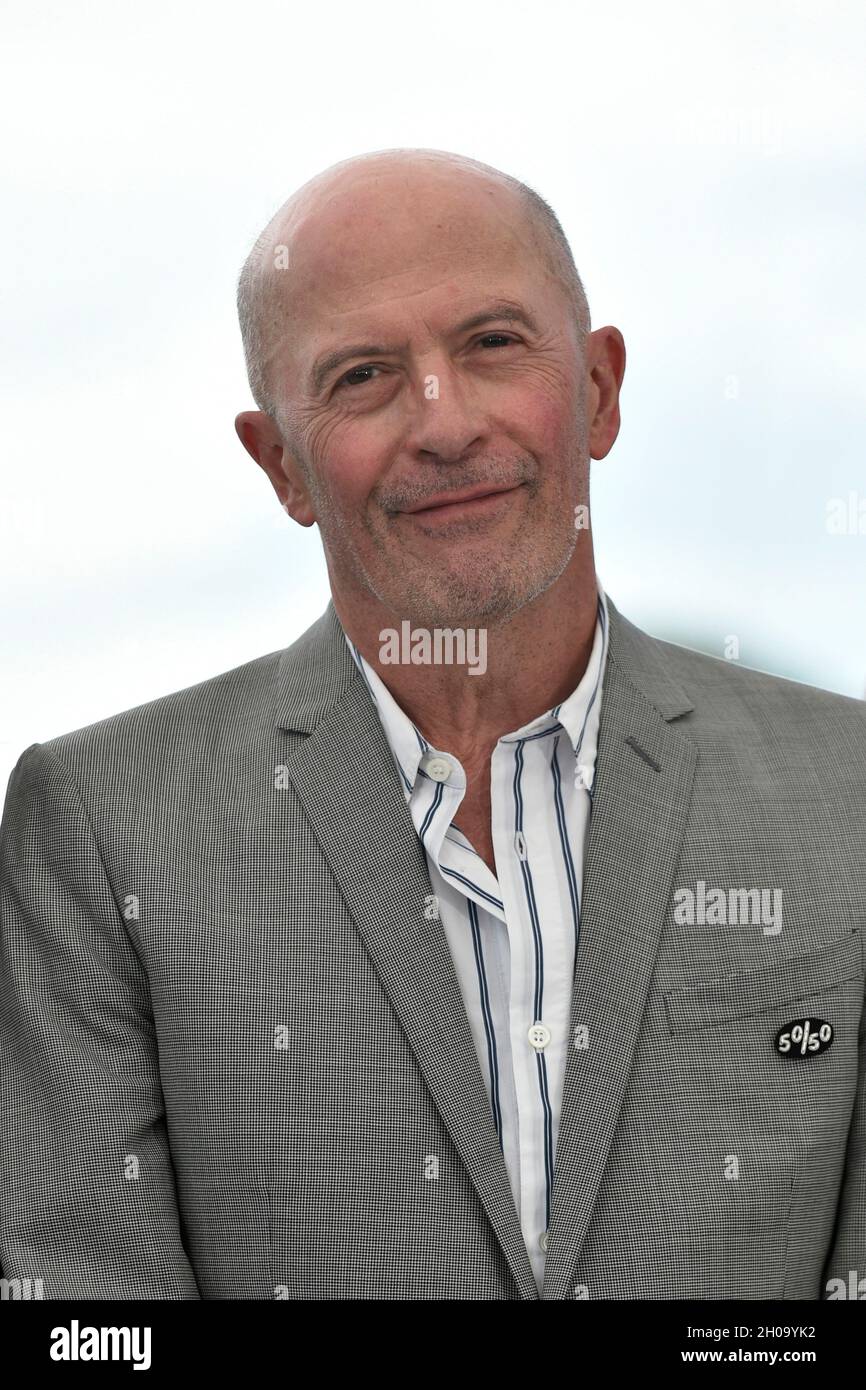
(235, 1057)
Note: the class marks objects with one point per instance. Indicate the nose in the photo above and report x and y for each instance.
(448, 419)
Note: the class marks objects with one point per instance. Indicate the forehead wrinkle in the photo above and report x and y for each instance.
(332, 309)
(389, 298)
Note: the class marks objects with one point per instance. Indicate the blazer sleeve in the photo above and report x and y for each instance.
(88, 1202)
(848, 1252)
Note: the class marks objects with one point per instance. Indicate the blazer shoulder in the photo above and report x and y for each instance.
(206, 712)
(731, 695)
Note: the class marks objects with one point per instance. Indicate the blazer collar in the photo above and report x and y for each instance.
(317, 669)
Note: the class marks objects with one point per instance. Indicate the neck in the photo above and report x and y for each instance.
(529, 664)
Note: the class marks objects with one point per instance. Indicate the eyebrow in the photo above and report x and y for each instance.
(500, 309)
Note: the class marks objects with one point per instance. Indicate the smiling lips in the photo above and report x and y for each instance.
(456, 504)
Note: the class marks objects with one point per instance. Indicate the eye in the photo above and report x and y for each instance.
(355, 373)
(360, 376)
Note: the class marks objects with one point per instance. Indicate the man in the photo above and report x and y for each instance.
(478, 945)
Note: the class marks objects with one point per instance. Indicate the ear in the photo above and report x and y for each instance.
(605, 360)
(260, 436)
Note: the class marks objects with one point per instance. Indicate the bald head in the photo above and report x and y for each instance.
(395, 185)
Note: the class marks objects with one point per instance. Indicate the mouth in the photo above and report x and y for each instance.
(486, 503)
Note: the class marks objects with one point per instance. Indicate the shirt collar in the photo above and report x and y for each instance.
(578, 714)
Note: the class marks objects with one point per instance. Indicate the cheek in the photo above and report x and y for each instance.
(544, 425)
(347, 461)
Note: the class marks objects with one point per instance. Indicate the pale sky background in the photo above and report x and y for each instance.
(708, 162)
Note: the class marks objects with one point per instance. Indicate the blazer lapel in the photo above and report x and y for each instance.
(344, 775)
(642, 794)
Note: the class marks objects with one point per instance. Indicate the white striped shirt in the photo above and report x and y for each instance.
(513, 936)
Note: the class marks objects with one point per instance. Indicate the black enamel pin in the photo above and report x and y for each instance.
(804, 1037)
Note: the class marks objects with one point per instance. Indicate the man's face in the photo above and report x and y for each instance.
(427, 403)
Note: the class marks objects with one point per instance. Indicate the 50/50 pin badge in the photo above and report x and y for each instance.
(804, 1037)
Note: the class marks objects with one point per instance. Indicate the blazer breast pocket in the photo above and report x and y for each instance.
(802, 979)
(764, 1068)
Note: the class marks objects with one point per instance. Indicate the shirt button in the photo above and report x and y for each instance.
(542, 1240)
(539, 1036)
(439, 769)
(584, 777)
